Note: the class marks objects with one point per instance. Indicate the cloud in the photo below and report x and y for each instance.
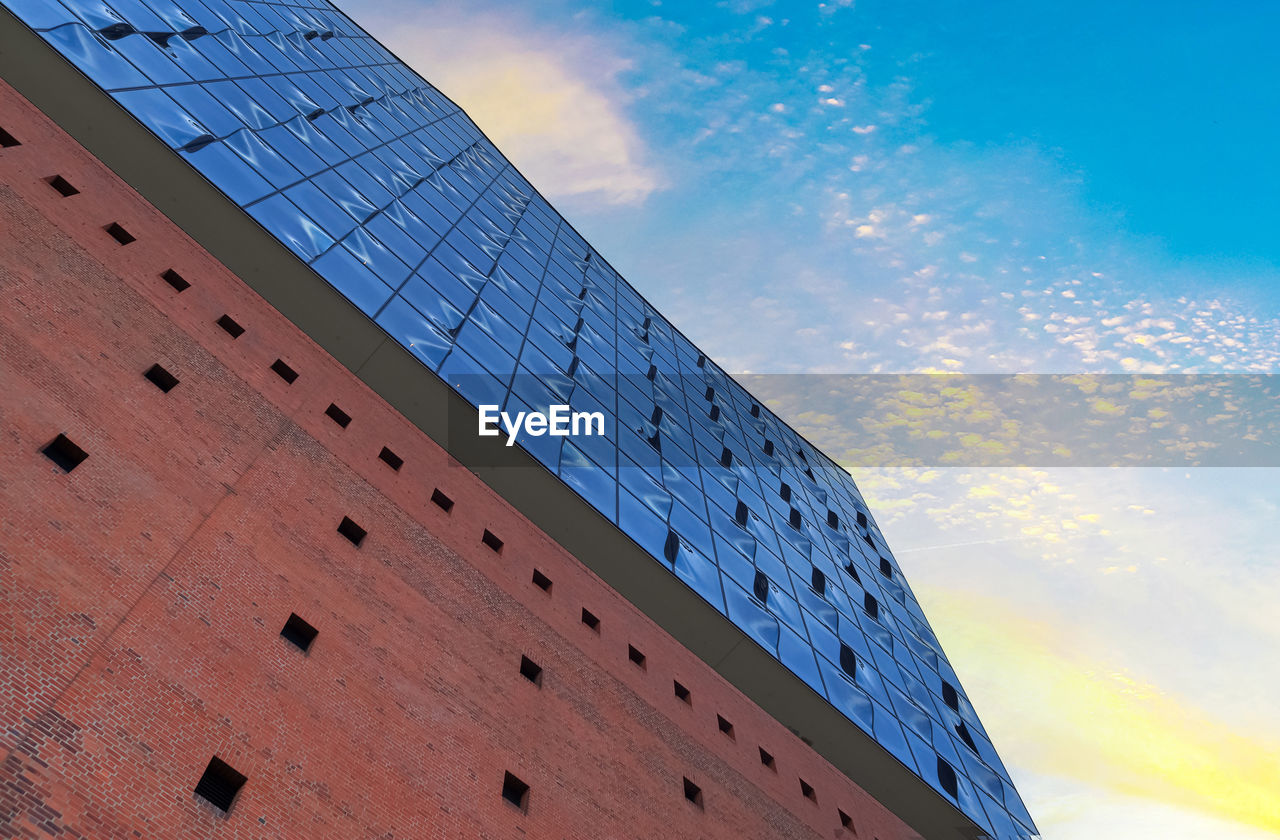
(551, 100)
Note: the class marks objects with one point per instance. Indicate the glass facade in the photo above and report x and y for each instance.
(394, 197)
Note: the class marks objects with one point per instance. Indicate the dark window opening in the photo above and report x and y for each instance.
(714, 415)
(818, 581)
(947, 778)
(853, 571)
(119, 234)
(161, 378)
(796, 520)
(337, 415)
(635, 656)
(693, 793)
(963, 732)
(541, 581)
(768, 447)
(709, 394)
(949, 695)
(351, 531)
(515, 791)
(299, 632)
(725, 726)
(176, 280)
(62, 185)
(785, 492)
(391, 459)
(755, 410)
(7, 140)
(808, 791)
(64, 453)
(288, 374)
(862, 519)
(726, 457)
(682, 693)
(871, 606)
(220, 783)
(848, 662)
(885, 568)
(766, 758)
(441, 501)
(492, 541)
(832, 519)
(230, 327)
(589, 619)
(531, 670)
(761, 587)
(846, 821)
(742, 513)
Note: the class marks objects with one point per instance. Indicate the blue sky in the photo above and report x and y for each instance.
(873, 186)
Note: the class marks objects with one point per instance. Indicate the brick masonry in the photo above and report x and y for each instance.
(142, 594)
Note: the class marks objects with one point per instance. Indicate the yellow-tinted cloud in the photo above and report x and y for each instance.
(1090, 721)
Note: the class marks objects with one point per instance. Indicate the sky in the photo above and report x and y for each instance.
(867, 186)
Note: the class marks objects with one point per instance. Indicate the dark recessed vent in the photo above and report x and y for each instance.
(714, 415)
(693, 793)
(846, 821)
(885, 568)
(796, 519)
(818, 581)
(766, 758)
(742, 514)
(755, 410)
(848, 662)
(761, 587)
(947, 778)
(220, 783)
(636, 657)
(949, 695)
(441, 501)
(176, 280)
(541, 581)
(725, 726)
(768, 447)
(64, 453)
(62, 185)
(515, 791)
(119, 234)
(702, 360)
(161, 378)
(682, 693)
(589, 619)
(492, 541)
(288, 374)
(862, 519)
(391, 459)
(785, 492)
(351, 531)
(871, 606)
(231, 328)
(807, 790)
(299, 632)
(337, 415)
(726, 457)
(963, 732)
(7, 140)
(833, 520)
(531, 670)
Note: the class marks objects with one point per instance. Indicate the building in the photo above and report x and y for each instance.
(262, 577)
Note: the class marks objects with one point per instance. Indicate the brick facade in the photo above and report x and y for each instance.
(143, 593)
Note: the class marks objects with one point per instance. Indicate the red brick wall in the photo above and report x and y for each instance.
(144, 592)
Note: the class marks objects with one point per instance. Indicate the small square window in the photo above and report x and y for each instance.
(725, 726)
(7, 140)
(846, 821)
(231, 328)
(62, 185)
(176, 280)
(288, 374)
(351, 531)
(391, 459)
(807, 790)
(64, 453)
(635, 656)
(683, 693)
(219, 784)
(119, 234)
(766, 758)
(693, 793)
(492, 541)
(441, 501)
(531, 670)
(515, 791)
(541, 581)
(589, 619)
(161, 378)
(337, 415)
(299, 632)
